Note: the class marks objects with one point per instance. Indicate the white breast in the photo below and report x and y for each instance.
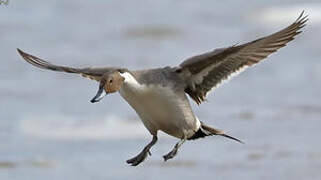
(159, 108)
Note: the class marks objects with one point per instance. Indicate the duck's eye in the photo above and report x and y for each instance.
(110, 81)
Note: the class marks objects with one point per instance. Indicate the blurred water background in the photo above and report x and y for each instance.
(50, 130)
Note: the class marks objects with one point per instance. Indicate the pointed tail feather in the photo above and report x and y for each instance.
(231, 137)
(209, 131)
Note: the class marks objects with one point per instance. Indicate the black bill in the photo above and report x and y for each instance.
(100, 94)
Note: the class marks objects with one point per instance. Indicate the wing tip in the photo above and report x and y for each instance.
(300, 22)
(19, 50)
(29, 58)
(35, 61)
(23, 54)
(303, 18)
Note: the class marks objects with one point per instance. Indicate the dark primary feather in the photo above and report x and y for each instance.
(207, 71)
(92, 73)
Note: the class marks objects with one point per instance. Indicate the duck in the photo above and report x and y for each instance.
(160, 95)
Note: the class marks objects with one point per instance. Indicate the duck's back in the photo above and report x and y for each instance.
(161, 76)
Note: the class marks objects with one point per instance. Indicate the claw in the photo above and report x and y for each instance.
(138, 159)
(143, 154)
(170, 155)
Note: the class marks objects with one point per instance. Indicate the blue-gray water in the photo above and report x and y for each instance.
(49, 130)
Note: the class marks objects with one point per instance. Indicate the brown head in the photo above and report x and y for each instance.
(109, 83)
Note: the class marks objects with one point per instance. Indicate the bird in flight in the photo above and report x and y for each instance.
(159, 96)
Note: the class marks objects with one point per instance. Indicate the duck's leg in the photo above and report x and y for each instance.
(142, 155)
(171, 154)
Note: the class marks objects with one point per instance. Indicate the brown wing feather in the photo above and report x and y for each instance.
(91, 73)
(207, 71)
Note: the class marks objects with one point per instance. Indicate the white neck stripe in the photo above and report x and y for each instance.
(130, 79)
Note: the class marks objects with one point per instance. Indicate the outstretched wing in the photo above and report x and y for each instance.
(90, 72)
(207, 71)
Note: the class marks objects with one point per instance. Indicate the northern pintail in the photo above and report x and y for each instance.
(159, 95)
